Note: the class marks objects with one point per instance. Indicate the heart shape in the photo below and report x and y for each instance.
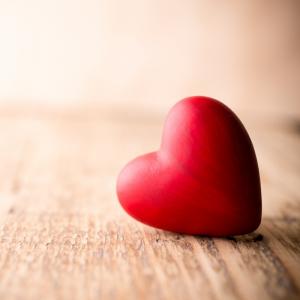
(203, 180)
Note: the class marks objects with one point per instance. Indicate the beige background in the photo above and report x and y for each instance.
(151, 53)
(84, 88)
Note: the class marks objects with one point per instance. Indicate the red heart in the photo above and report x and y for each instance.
(203, 180)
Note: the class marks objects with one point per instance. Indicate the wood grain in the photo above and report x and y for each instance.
(64, 236)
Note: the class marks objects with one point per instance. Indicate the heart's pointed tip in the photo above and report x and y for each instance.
(131, 181)
(121, 189)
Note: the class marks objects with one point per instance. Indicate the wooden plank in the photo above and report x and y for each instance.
(63, 234)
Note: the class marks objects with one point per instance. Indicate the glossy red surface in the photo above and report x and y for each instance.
(204, 179)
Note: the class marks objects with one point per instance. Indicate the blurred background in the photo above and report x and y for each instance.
(146, 55)
(84, 87)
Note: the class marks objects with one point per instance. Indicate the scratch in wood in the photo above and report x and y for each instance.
(219, 265)
(259, 258)
(295, 126)
(11, 210)
(16, 181)
(287, 232)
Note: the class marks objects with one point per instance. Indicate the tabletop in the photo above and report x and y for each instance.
(63, 234)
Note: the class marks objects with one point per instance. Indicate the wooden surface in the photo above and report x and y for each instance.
(63, 234)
